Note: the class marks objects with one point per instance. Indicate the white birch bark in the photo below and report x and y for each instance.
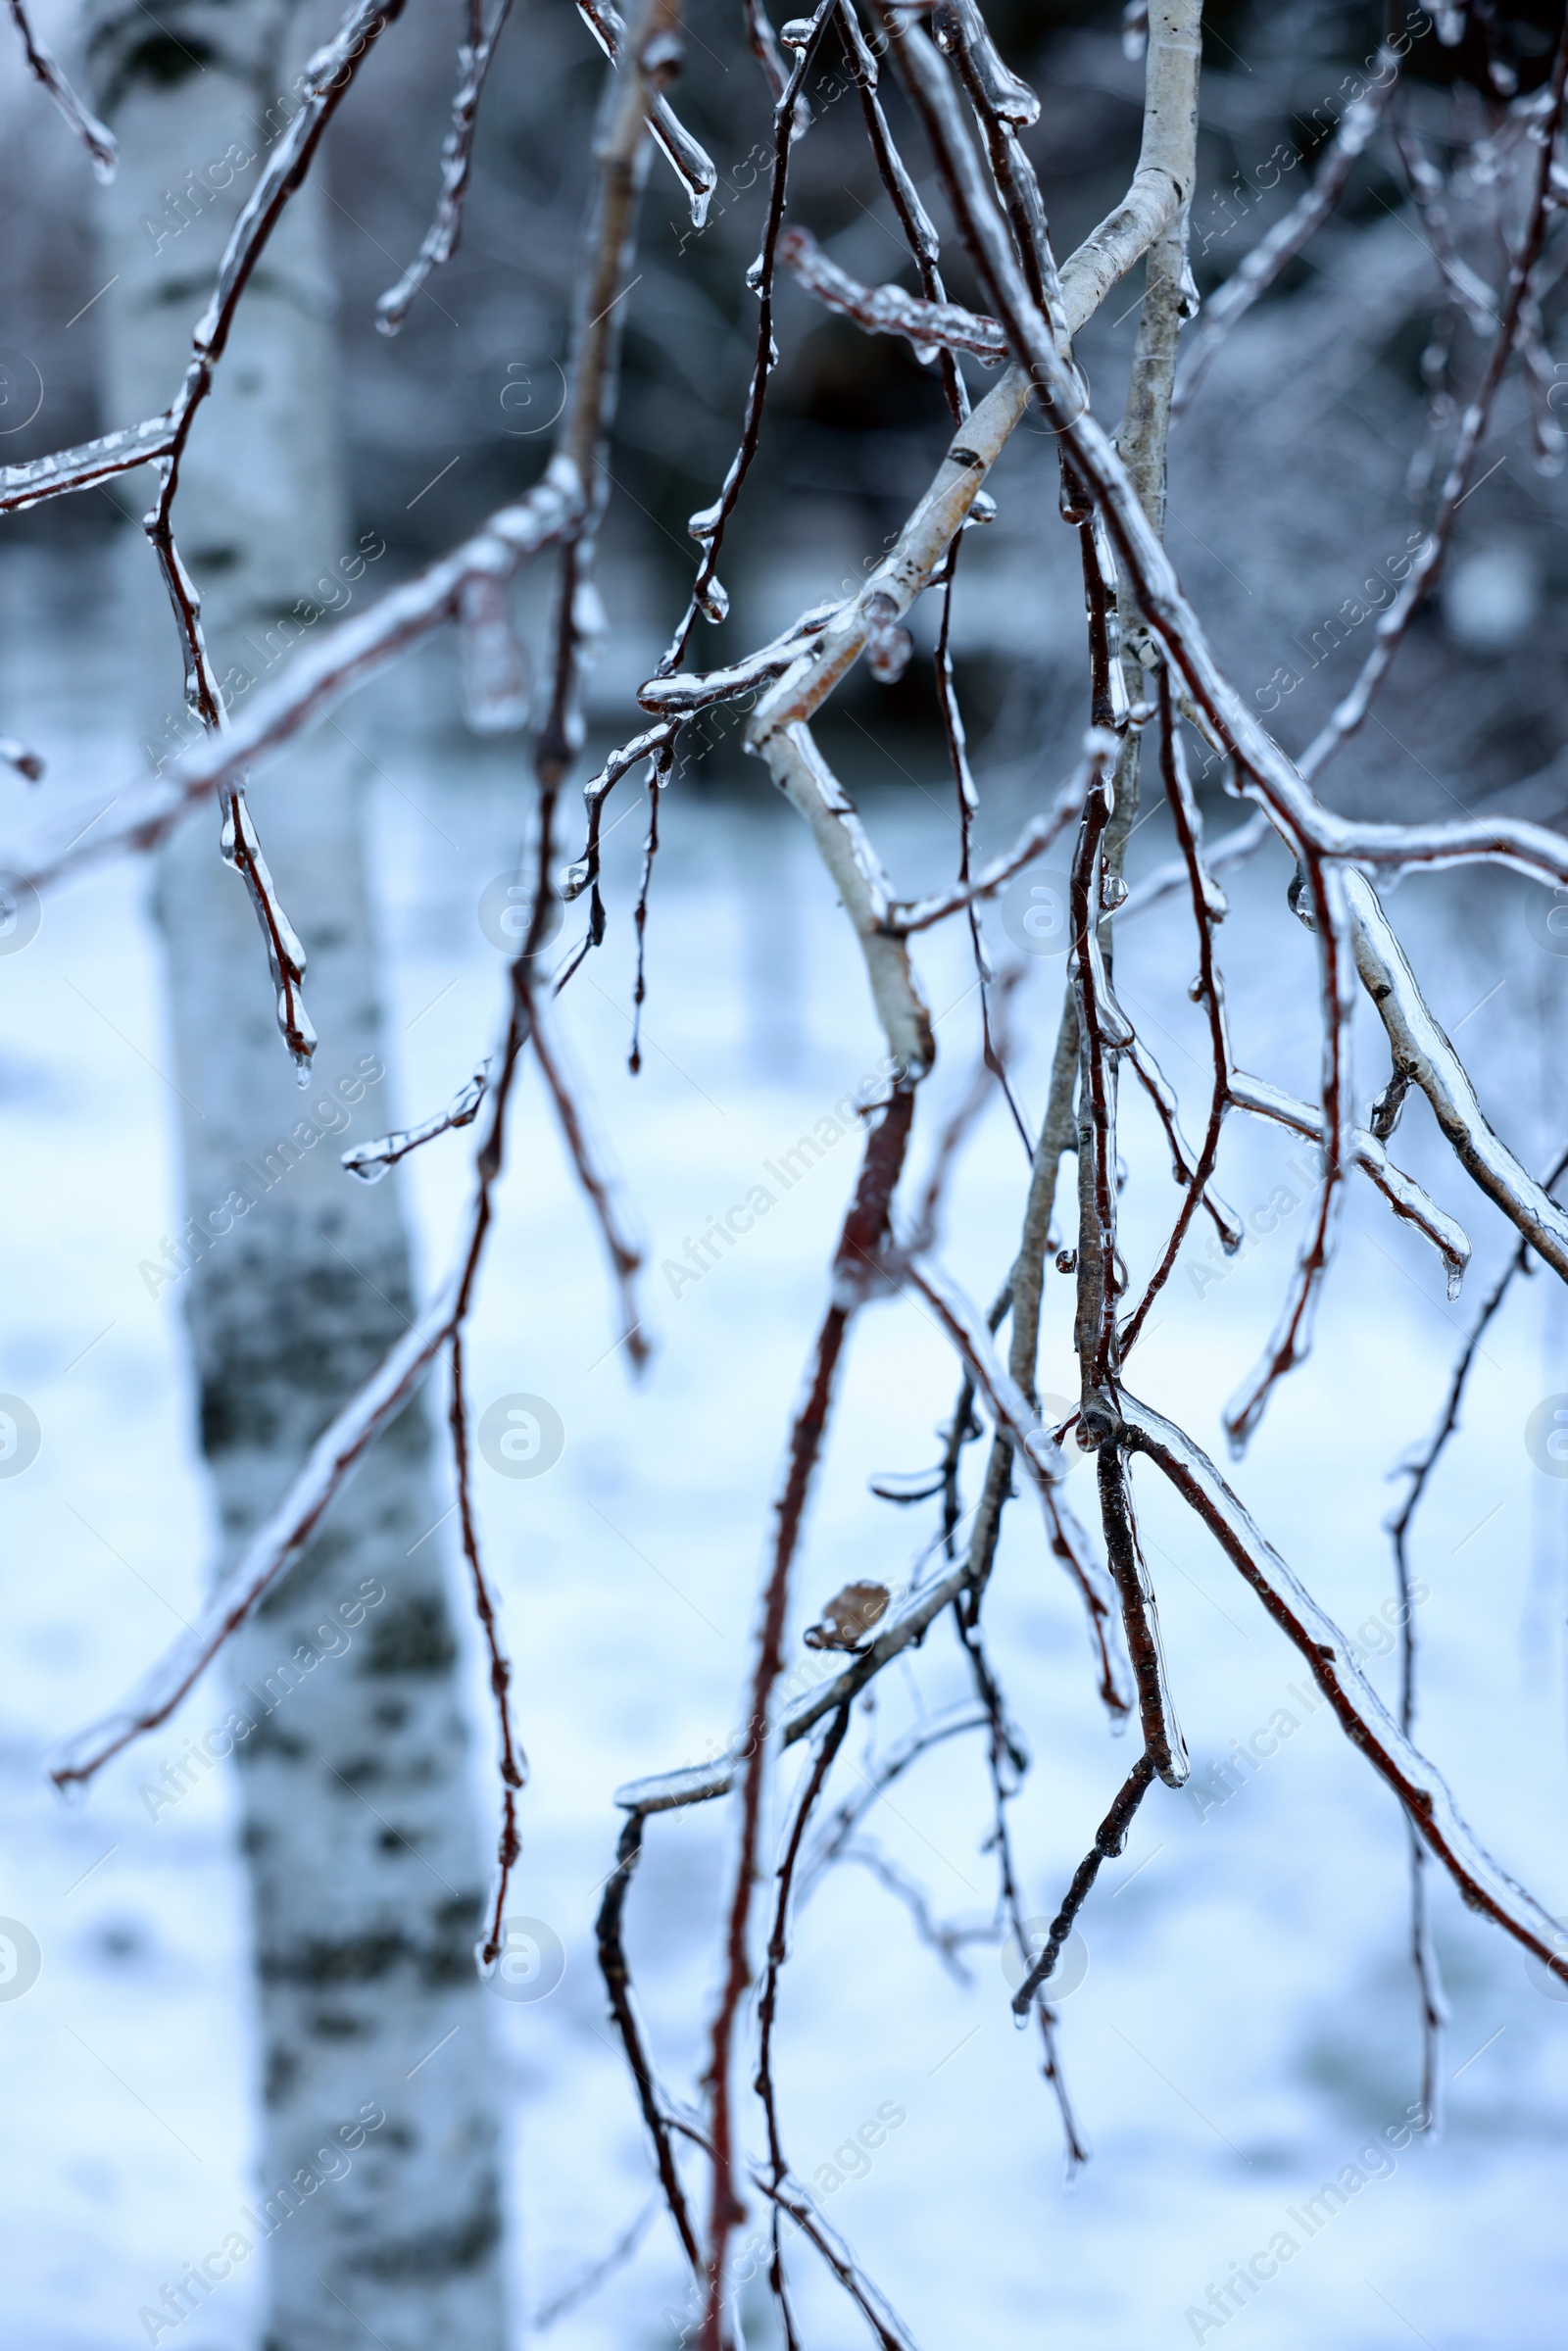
(359, 1826)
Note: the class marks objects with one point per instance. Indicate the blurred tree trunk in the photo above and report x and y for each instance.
(360, 1819)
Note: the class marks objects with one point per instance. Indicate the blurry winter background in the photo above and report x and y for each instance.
(1246, 2023)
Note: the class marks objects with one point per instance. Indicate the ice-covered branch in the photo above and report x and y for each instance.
(686, 158)
(86, 464)
(510, 1760)
(322, 671)
(845, 846)
(1423, 1054)
(1331, 1660)
(272, 1549)
(456, 161)
(854, 1267)
(98, 141)
(370, 1161)
(1404, 1195)
(1110, 1839)
(889, 309)
(699, 690)
(905, 916)
(1273, 253)
(1393, 624)
(708, 595)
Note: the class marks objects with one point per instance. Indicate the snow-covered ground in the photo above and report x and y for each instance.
(1246, 2026)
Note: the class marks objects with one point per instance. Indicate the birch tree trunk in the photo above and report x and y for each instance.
(360, 1823)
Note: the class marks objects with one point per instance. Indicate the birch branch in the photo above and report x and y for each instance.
(845, 846)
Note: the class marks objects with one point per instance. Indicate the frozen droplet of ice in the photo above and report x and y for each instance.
(1491, 599)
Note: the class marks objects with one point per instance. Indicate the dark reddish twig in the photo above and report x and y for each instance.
(890, 2333)
(1005, 1756)
(1330, 1659)
(624, 1259)
(860, 1244)
(1208, 906)
(370, 1161)
(657, 770)
(768, 2001)
(513, 1763)
(708, 527)
(1110, 1839)
(612, 1966)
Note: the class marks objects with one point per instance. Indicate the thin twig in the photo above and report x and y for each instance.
(94, 137)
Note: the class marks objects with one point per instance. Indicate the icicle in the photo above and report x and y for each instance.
(495, 668)
(588, 616)
(687, 158)
(957, 24)
(1189, 302)
(1073, 502)
(887, 644)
